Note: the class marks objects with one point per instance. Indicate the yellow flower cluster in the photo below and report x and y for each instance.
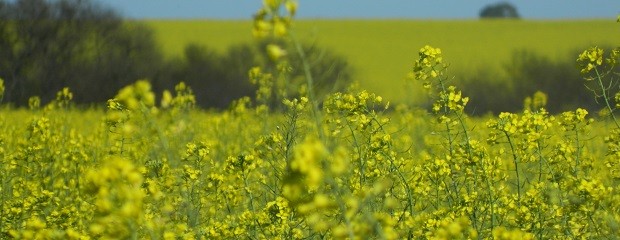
(1, 89)
(614, 57)
(136, 96)
(118, 199)
(183, 100)
(590, 58)
(306, 173)
(34, 102)
(264, 83)
(535, 102)
(574, 120)
(64, 97)
(242, 173)
(531, 123)
(502, 233)
(428, 66)
(451, 100)
(269, 20)
(273, 20)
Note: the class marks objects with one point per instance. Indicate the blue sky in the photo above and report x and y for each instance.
(425, 9)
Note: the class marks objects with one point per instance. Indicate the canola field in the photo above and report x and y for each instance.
(152, 166)
(349, 166)
(381, 51)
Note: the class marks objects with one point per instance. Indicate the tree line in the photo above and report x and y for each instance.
(526, 73)
(88, 47)
(80, 44)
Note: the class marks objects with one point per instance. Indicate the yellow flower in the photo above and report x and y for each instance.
(275, 52)
(307, 161)
(1, 88)
(614, 56)
(133, 96)
(291, 7)
(261, 28)
(279, 28)
(166, 99)
(590, 58)
(272, 3)
(34, 102)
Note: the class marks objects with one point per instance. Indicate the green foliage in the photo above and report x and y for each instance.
(218, 79)
(1, 89)
(47, 45)
(525, 74)
(330, 72)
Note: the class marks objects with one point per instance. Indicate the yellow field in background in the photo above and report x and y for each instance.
(381, 51)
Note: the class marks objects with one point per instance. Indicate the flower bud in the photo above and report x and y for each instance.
(275, 52)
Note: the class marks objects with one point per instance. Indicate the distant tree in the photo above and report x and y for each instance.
(46, 45)
(49, 44)
(499, 10)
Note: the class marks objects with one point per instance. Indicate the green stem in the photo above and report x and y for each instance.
(541, 159)
(515, 161)
(359, 154)
(578, 153)
(310, 83)
(599, 79)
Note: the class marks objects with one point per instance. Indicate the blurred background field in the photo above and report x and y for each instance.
(381, 51)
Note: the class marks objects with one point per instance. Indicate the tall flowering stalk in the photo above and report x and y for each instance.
(463, 167)
(596, 67)
(273, 21)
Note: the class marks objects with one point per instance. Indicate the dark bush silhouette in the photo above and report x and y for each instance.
(330, 72)
(499, 10)
(561, 81)
(527, 73)
(489, 94)
(47, 45)
(218, 79)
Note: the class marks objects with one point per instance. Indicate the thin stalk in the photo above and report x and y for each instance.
(360, 156)
(310, 82)
(450, 138)
(404, 181)
(578, 153)
(515, 161)
(599, 79)
(541, 159)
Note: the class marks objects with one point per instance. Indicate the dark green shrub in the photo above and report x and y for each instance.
(48, 45)
(218, 79)
(526, 73)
